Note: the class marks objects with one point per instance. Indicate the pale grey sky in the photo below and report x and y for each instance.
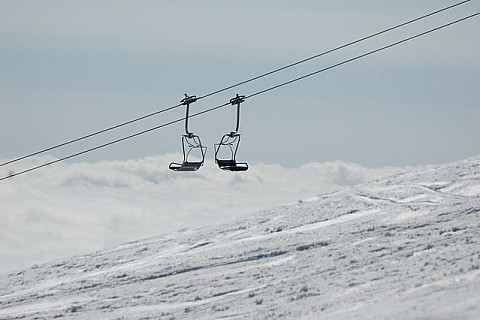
(70, 68)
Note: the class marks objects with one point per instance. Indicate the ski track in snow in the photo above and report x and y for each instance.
(403, 247)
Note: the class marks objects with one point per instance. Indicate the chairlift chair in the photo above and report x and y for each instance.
(226, 149)
(190, 142)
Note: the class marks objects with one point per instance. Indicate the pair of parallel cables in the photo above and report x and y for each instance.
(236, 85)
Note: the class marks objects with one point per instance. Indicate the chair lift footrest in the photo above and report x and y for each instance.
(185, 166)
(232, 165)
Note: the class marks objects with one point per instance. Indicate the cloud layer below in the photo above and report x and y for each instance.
(75, 208)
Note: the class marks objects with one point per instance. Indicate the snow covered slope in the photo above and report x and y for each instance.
(404, 247)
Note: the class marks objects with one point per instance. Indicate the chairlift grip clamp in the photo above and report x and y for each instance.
(237, 100)
(188, 99)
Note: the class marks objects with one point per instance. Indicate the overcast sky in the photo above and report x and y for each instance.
(69, 68)
(73, 67)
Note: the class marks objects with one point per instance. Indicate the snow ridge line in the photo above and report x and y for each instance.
(217, 265)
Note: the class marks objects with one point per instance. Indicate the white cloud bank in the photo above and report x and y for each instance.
(74, 208)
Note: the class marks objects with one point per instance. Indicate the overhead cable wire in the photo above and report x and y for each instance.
(336, 49)
(234, 85)
(112, 142)
(90, 135)
(246, 97)
(360, 56)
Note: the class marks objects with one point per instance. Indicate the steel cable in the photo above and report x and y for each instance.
(248, 96)
(234, 85)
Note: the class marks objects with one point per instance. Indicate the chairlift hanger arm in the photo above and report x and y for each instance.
(186, 102)
(236, 101)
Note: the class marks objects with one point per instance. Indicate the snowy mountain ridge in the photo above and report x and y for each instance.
(403, 247)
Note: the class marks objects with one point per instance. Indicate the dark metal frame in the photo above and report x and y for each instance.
(190, 142)
(232, 141)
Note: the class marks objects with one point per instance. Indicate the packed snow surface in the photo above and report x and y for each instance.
(405, 247)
